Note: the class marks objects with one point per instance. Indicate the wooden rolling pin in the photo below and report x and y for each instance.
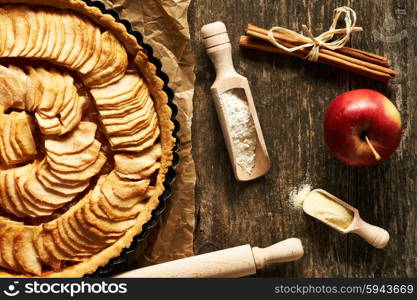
(233, 262)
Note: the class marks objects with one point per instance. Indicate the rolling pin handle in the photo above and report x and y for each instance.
(285, 251)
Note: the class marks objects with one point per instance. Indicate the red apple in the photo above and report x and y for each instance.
(362, 127)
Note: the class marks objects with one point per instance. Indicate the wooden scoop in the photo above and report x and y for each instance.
(218, 47)
(374, 235)
(233, 262)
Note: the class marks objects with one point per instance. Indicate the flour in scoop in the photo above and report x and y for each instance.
(242, 128)
(298, 194)
(326, 209)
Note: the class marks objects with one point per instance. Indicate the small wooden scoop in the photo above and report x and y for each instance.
(218, 47)
(374, 235)
(233, 262)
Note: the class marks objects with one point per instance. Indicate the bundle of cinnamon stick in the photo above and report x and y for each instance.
(364, 63)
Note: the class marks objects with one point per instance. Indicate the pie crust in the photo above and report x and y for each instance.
(86, 138)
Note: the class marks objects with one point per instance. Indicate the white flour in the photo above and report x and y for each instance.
(242, 128)
(298, 194)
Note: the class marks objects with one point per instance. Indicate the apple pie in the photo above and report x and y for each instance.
(86, 138)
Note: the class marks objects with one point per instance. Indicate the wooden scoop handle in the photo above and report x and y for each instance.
(284, 251)
(233, 262)
(218, 48)
(374, 235)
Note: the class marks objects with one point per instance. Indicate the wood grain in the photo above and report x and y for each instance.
(291, 97)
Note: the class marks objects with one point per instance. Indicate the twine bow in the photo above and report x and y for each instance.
(323, 39)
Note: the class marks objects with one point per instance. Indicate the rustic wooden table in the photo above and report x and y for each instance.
(291, 96)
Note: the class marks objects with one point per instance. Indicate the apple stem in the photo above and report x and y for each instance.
(376, 154)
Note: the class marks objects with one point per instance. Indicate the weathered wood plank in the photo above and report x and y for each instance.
(291, 96)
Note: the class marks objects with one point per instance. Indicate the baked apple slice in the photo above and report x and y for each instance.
(23, 135)
(109, 57)
(89, 64)
(44, 254)
(136, 138)
(67, 236)
(5, 200)
(37, 208)
(75, 141)
(69, 37)
(84, 175)
(138, 146)
(39, 44)
(90, 37)
(21, 28)
(131, 124)
(7, 240)
(114, 70)
(106, 225)
(134, 163)
(7, 37)
(118, 92)
(59, 36)
(32, 41)
(12, 191)
(25, 252)
(10, 157)
(73, 22)
(76, 161)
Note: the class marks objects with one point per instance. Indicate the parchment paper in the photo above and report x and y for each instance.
(163, 23)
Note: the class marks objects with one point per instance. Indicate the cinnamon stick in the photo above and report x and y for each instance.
(354, 53)
(366, 56)
(259, 44)
(330, 53)
(354, 60)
